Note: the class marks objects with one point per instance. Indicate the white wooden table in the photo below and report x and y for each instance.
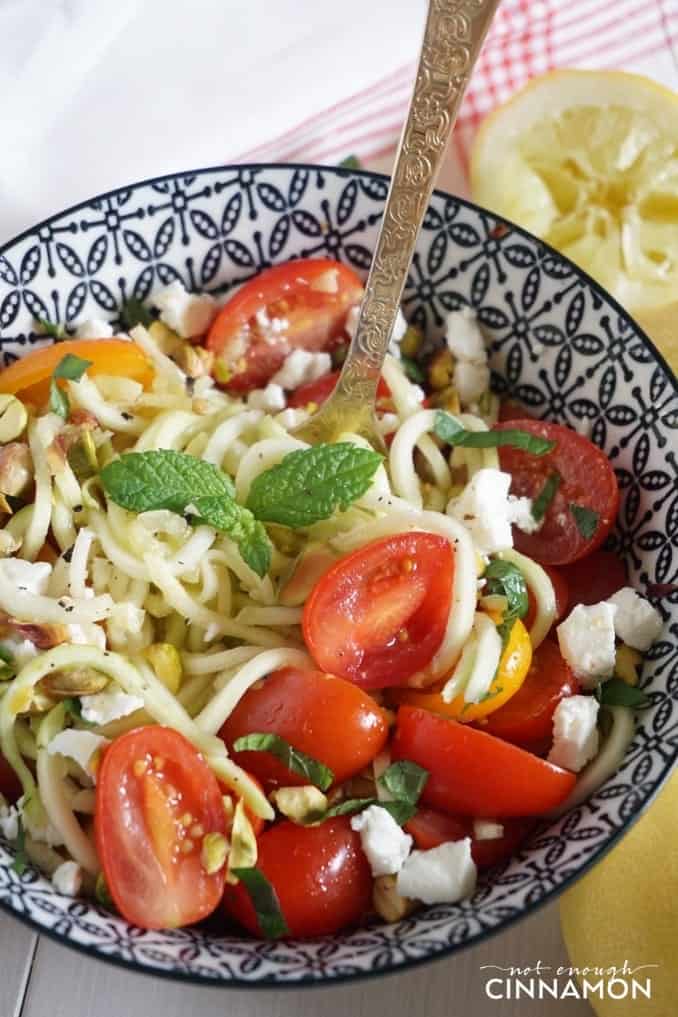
(38, 978)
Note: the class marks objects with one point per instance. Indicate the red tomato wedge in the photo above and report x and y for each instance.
(151, 781)
(562, 595)
(319, 873)
(430, 828)
(475, 774)
(318, 391)
(299, 305)
(10, 786)
(587, 481)
(527, 718)
(29, 376)
(594, 578)
(379, 615)
(307, 709)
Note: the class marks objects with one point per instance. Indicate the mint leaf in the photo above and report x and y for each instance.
(308, 485)
(349, 807)
(239, 523)
(70, 368)
(541, 503)
(586, 520)
(450, 430)
(51, 328)
(265, 902)
(298, 762)
(145, 481)
(351, 162)
(412, 370)
(506, 580)
(616, 692)
(20, 863)
(404, 780)
(133, 313)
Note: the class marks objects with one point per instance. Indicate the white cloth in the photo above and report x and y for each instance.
(95, 94)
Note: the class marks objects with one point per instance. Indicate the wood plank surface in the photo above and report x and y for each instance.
(17, 947)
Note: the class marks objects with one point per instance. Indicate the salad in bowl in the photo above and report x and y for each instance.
(290, 688)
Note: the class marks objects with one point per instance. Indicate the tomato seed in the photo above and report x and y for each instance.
(140, 767)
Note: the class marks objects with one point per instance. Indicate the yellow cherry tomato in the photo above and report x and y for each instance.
(30, 376)
(511, 673)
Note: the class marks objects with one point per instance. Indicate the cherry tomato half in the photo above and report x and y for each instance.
(379, 615)
(594, 578)
(475, 774)
(150, 781)
(527, 719)
(513, 667)
(318, 391)
(301, 304)
(430, 828)
(319, 873)
(10, 786)
(587, 481)
(328, 718)
(30, 376)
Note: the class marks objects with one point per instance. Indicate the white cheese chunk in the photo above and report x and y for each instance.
(483, 508)
(82, 746)
(383, 841)
(104, 707)
(464, 338)
(575, 734)
(88, 634)
(22, 650)
(444, 875)
(189, 314)
(27, 576)
(67, 879)
(9, 820)
(470, 380)
(270, 399)
(586, 640)
(486, 829)
(636, 621)
(94, 328)
(292, 417)
(302, 367)
(520, 514)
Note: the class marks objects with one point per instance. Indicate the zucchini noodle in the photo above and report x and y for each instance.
(41, 433)
(406, 483)
(86, 396)
(542, 590)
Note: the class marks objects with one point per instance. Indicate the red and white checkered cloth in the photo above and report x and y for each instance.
(527, 38)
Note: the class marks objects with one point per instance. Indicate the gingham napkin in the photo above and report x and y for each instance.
(528, 37)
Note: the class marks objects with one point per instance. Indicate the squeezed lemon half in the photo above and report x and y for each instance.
(588, 160)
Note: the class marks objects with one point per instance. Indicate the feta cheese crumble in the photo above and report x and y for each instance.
(189, 314)
(575, 734)
(636, 621)
(484, 510)
(302, 367)
(270, 399)
(9, 820)
(520, 514)
(104, 707)
(67, 879)
(27, 576)
(465, 341)
(586, 640)
(82, 746)
(94, 328)
(444, 875)
(383, 841)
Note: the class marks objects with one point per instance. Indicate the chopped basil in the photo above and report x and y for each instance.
(51, 328)
(133, 313)
(404, 781)
(506, 580)
(586, 520)
(70, 368)
(265, 902)
(412, 370)
(542, 502)
(351, 162)
(616, 692)
(451, 431)
(298, 762)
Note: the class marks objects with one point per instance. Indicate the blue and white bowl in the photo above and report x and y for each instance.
(559, 345)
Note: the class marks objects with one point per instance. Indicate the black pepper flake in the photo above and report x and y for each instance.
(62, 603)
(68, 554)
(126, 416)
(71, 607)
(190, 385)
(24, 589)
(77, 508)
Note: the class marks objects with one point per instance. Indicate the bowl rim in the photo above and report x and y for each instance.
(310, 982)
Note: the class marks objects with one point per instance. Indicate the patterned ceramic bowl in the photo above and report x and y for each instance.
(559, 344)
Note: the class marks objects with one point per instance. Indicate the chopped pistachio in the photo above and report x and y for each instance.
(626, 664)
(214, 852)
(410, 343)
(80, 681)
(15, 469)
(441, 369)
(165, 339)
(82, 456)
(446, 399)
(300, 803)
(166, 662)
(387, 902)
(13, 417)
(243, 853)
(222, 373)
(195, 361)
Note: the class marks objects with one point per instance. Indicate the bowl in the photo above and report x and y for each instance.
(559, 344)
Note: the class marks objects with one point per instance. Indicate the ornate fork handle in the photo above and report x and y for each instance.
(454, 33)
